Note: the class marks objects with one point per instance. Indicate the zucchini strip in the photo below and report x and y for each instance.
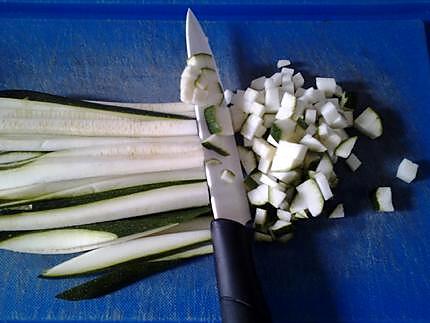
(142, 203)
(97, 127)
(27, 143)
(178, 108)
(47, 204)
(92, 185)
(58, 169)
(18, 98)
(110, 256)
(118, 279)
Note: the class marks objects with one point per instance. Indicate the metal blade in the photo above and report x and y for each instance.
(228, 200)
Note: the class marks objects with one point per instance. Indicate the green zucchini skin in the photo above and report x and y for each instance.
(45, 97)
(117, 279)
(130, 226)
(41, 205)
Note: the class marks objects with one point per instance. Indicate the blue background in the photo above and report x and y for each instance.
(367, 267)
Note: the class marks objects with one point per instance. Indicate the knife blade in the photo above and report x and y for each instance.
(239, 290)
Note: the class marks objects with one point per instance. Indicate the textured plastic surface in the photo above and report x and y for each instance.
(367, 267)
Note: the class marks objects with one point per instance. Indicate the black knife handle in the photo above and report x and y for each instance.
(241, 298)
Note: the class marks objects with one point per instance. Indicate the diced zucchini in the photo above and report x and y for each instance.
(288, 106)
(258, 83)
(287, 177)
(369, 123)
(247, 159)
(276, 196)
(323, 186)
(259, 195)
(407, 171)
(298, 80)
(353, 162)
(330, 113)
(280, 228)
(383, 199)
(218, 121)
(312, 144)
(238, 117)
(288, 156)
(272, 101)
(283, 215)
(282, 63)
(263, 149)
(201, 60)
(312, 196)
(345, 148)
(215, 143)
(264, 165)
(268, 120)
(251, 126)
(338, 212)
(328, 85)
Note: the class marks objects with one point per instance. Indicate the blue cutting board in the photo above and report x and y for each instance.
(367, 267)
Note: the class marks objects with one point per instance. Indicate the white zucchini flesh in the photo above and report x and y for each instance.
(298, 80)
(200, 251)
(17, 156)
(264, 165)
(272, 101)
(129, 150)
(288, 106)
(199, 223)
(288, 156)
(407, 171)
(276, 196)
(95, 185)
(383, 199)
(298, 204)
(97, 127)
(259, 195)
(53, 143)
(282, 63)
(238, 117)
(325, 166)
(260, 217)
(251, 126)
(326, 84)
(54, 170)
(55, 241)
(137, 204)
(27, 109)
(283, 215)
(66, 241)
(323, 186)
(312, 143)
(345, 148)
(338, 212)
(247, 159)
(120, 253)
(312, 196)
(287, 177)
(330, 113)
(263, 149)
(178, 108)
(369, 123)
(353, 162)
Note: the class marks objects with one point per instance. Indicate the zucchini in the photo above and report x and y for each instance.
(369, 123)
(13, 159)
(24, 98)
(128, 274)
(142, 203)
(47, 170)
(112, 231)
(383, 199)
(46, 204)
(353, 162)
(247, 159)
(71, 188)
(407, 171)
(288, 156)
(103, 258)
(259, 195)
(312, 196)
(215, 143)
(218, 121)
(312, 144)
(345, 147)
(338, 212)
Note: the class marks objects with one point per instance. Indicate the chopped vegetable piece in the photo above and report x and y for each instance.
(251, 126)
(353, 162)
(323, 186)
(312, 196)
(282, 63)
(288, 156)
(259, 195)
(276, 196)
(369, 123)
(247, 159)
(407, 171)
(279, 228)
(328, 85)
(383, 199)
(283, 215)
(345, 148)
(338, 212)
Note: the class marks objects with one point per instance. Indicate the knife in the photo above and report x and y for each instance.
(240, 295)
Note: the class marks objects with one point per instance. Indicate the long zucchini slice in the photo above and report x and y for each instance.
(129, 274)
(12, 159)
(103, 258)
(63, 102)
(142, 203)
(27, 143)
(91, 185)
(54, 203)
(60, 169)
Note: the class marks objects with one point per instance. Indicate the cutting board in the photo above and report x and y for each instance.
(367, 267)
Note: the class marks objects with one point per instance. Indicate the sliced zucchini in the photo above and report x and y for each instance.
(110, 256)
(312, 196)
(218, 121)
(323, 185)
(251, 126)
(263, 149)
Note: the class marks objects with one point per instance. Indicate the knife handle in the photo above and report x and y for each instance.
(240, 294)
